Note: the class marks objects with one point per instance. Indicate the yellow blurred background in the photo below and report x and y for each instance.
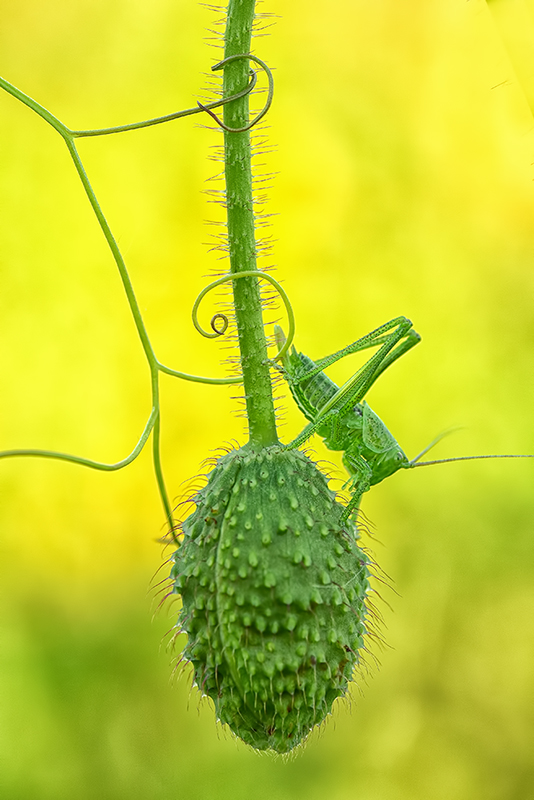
(404, 147)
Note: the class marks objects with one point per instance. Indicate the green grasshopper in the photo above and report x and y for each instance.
(341, 416)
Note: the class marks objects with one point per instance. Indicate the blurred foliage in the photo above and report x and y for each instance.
(404, 150)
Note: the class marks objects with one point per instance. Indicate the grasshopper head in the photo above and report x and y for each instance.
(386, 464)
(381, 450)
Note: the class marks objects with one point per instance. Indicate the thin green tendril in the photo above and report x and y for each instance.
(266, 107)
(133, 126)
(249, 273)
(153, 423)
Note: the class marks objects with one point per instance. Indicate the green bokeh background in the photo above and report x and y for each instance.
(404, 149)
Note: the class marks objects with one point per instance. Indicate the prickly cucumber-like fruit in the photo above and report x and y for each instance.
(273, 589)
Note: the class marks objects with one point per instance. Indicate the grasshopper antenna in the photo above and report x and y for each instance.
(416, 463)
(465, 458)
(432, 444)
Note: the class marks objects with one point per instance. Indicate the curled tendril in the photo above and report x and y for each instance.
(175, 115)
(69, 134)
(219, 322)
(265, 108)
(250, 273)
(224, 320)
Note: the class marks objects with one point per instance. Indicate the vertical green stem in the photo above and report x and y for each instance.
(241, 239)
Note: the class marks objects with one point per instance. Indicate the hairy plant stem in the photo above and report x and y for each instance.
(241, 238)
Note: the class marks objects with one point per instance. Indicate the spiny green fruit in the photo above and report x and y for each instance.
(273, 589)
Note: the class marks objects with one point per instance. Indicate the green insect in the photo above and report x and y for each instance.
(341, 416)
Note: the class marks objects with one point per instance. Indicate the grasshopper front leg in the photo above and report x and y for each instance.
(359, 482)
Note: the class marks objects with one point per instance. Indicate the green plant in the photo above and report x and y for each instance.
(156, 367)
(268, 691)
(267, 534)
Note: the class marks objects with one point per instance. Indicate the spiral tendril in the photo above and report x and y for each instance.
(213, 323)
(250, 273)
(219, 322)
(265, 108)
